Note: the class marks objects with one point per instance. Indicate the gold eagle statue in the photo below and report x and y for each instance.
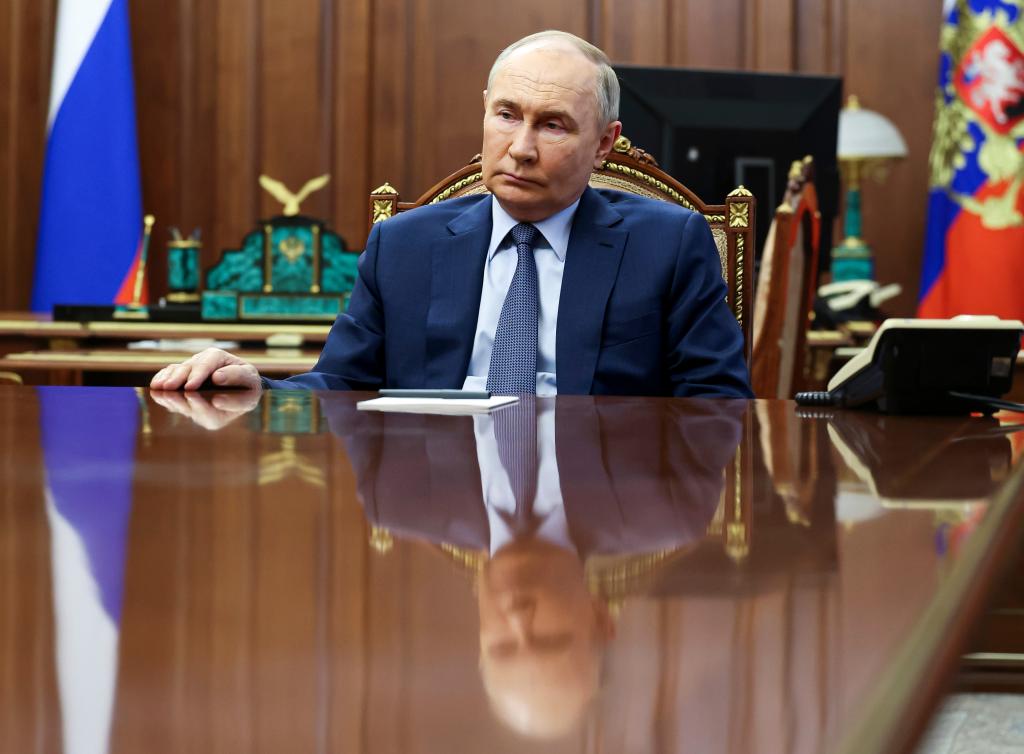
(284, 195)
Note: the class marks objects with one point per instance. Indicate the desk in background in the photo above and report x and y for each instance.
(309, 577)
(42, 351)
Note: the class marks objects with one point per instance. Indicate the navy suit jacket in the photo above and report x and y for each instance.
(642, 308)
(624, 491)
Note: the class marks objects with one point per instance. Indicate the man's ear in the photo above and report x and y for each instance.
(608, 139)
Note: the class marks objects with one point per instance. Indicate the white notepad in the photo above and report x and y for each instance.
(437, 405)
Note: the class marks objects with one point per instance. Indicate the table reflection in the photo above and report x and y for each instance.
(604, 509)
(286, 572)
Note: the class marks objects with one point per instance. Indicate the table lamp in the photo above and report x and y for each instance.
(866, 140)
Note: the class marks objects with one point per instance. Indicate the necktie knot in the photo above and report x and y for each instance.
(524, 233)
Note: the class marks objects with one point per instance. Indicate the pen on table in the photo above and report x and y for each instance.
(464, 394)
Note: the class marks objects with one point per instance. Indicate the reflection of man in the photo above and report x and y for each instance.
(598, 492)
(549, 287)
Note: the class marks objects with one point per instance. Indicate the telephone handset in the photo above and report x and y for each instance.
(929, 366)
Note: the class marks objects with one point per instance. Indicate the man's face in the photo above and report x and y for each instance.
(542, 135)
(541, 637)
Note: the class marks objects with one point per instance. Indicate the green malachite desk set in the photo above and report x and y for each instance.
(290, 268)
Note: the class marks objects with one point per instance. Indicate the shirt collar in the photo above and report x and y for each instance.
(554, 230)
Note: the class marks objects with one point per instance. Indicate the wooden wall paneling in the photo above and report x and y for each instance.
(290, 145)
(161, 43)
(709, 35)
(235, 127)
(452, 46)
(772, 25)
(352, 133)
(817, 49)
(26, 36)
(632, 31)
(197, 144)
(901, 86)
(389, 112)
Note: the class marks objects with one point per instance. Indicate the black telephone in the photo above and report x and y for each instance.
(929, 366)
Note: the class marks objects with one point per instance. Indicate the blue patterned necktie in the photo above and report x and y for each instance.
(515, 432)
(513, 366)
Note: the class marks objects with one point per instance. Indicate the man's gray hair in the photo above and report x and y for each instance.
(606, 87)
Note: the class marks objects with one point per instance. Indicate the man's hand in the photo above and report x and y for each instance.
(212, 414)
(223, 369)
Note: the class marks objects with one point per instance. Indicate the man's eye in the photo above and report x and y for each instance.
(505, 115)
(553, 125)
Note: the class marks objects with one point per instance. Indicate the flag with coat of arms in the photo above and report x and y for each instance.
(974, 244)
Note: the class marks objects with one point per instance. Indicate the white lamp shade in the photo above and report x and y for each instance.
(865, 134)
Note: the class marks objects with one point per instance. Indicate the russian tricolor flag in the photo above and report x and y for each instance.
(974, 245)
(90, 226)
(89, 480)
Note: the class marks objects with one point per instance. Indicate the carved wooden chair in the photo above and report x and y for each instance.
(630, 169)
(785, 289)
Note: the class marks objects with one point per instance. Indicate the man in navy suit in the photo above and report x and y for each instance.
(624, 294)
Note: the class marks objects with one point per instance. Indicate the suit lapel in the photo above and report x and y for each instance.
(591, 266)
(457, 270)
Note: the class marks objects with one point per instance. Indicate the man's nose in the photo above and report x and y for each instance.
(519, 611)
(524, 145)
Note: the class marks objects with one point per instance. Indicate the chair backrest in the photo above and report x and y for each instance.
(633, 170)
(785, 289)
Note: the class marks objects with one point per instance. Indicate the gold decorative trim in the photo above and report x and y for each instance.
(603, 180)
(381, 540)
(614, 577)
(784, 209)
(622, 145)
(736, 545)
(181, 297)
(457, 186)
(737, 539)
(739, 191)
(12, 376)
(650, 180)
(268, 266)
(385, 188)
(737, 306)
(722, 246)
(315, 287)
(382, 210)
(715, 218)
(471, 560)
(739, 215)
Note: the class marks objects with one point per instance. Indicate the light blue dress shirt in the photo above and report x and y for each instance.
(547, 504)
(549, 253)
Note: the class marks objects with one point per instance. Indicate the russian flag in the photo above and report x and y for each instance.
(974, 243)
(90, 226)
(89, 478)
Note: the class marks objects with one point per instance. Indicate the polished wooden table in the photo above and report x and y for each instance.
(286, 573)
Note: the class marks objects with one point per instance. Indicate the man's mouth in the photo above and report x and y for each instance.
(520, 180)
